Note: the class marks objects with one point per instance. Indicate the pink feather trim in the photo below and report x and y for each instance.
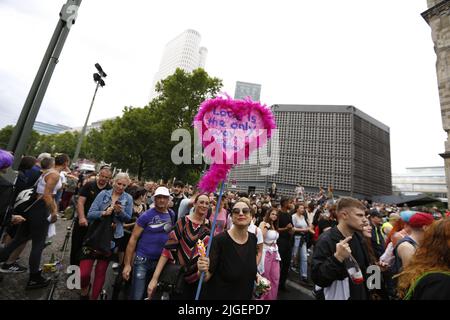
(219, 172)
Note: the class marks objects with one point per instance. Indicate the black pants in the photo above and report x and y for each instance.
(78, 234)
(34, 228)
(189, 292)
(285, 250)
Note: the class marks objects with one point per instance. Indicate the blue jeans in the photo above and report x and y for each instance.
(301, 250)
(143, 269)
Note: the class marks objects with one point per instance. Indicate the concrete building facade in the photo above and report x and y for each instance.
(438, 18)
(324, 145)
(246, 89)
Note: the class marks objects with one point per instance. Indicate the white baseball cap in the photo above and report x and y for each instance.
(44, 155)
(162, 191)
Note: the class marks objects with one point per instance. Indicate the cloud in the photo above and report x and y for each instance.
(376, 56)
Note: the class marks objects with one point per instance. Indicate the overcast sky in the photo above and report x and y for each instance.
(375, 55)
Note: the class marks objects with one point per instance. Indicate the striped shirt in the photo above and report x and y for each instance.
(182, 245)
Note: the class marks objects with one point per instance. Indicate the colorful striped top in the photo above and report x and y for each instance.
(181, 245)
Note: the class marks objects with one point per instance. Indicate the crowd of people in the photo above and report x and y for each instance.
(152, 229)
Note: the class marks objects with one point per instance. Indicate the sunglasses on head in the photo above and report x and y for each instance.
(243, 210)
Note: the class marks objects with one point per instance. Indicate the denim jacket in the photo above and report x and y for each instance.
(103, 201)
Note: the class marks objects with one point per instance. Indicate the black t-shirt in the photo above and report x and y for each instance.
(325, 223)
(284, 219)
(6, 197)
(176, 202)
(435, 286)
(233, 267)
(90, 191)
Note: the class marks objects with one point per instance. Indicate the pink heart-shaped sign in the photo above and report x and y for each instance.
(230, 130)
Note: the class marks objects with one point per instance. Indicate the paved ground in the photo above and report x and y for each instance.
(12, 286)
(297, 290)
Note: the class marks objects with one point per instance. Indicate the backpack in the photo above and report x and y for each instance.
(99, 236)
(25, 200)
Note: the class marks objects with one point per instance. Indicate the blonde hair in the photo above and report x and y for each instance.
(122, 175)
(245, 200)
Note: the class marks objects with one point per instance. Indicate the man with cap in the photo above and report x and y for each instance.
(377, 239)
(149, 236)
(407, 246)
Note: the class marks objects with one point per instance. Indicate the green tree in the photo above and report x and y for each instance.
(140, 140)
(180, 96)
(128, 140)
(6, 133)
(66, 142)
(94, 146)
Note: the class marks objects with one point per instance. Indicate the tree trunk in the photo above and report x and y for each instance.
(141, 166)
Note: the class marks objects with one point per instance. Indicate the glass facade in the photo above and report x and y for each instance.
(428, 180)
(46, 128)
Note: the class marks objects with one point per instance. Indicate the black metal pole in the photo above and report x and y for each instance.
(83, 132)
(21, 134)
(26, 132)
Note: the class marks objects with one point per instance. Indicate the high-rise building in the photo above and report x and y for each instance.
(246, 89)
(438, 17)
(47, 128)
(182, 52)
(321, 146)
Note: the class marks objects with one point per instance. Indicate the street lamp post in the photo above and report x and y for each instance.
(100, 82)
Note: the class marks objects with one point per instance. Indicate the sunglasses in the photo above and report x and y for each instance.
(238, 210)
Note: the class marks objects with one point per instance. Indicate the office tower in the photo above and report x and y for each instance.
(182, 52)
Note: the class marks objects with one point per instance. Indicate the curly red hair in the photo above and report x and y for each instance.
(398, 226)
(432, 255)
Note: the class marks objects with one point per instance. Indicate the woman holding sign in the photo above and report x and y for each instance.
(181, 248)
(230, 271)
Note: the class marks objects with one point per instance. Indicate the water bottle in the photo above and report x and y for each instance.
(353, 269)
